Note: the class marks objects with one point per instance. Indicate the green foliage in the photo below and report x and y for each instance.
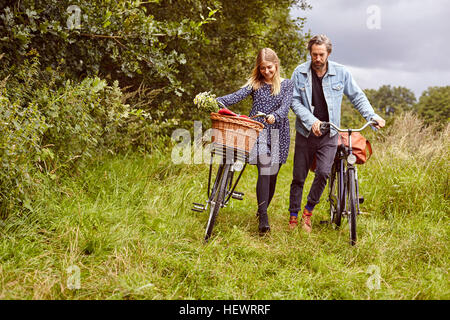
(120, 39)
(224, 61)
(115, 40)
(53, 128)
(21, 130)
(434, 105)
(350, 117)
(205, 101)
(389, 101)
(161, 52)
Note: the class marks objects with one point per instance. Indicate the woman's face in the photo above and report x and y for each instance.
(268, 70)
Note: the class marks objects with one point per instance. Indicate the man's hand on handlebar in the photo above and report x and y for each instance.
(326, 126)
(380, 123)
(316, 128)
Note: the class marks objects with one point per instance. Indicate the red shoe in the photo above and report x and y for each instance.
(306, 220)
(293, 222)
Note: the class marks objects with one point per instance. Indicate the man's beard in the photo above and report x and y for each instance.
(319, 66)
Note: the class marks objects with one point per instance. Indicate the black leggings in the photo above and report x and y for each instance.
(265, 187)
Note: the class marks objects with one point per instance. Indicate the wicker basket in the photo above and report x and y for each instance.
(235, 132)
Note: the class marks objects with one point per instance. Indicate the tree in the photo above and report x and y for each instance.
(223, 62)
(386, 101)
(434, 105)
(162, 52)
(389, 101)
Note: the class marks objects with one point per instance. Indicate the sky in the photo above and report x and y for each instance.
(394, 42)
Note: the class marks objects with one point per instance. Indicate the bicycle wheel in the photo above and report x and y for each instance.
(352, 204)
(336, 193)
(217, 200)
(333, 194)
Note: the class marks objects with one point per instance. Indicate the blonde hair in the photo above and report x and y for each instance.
(256, 79)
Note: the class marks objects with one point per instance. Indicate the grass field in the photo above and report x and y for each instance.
(124, 230)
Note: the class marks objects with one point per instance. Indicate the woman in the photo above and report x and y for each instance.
(273, 96)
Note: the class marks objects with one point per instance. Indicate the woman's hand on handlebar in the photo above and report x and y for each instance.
(270, 119)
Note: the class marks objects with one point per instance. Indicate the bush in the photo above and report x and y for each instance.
(21, 130)
(52, 128)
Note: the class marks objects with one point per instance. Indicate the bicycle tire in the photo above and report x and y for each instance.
(333, 194)
(212, 195)
(215, 205)
(353, 208)
(338, 186)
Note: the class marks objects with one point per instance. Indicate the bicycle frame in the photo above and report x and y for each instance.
(223, 189)
(224, 186)
(224, 151)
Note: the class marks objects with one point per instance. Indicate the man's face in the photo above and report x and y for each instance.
(319, 56)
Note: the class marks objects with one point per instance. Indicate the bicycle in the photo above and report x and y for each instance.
(343, 183)
(233, 159)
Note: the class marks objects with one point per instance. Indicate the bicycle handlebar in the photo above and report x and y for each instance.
(327, 125)
(260, 114)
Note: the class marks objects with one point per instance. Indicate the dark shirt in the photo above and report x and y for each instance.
(318, 98)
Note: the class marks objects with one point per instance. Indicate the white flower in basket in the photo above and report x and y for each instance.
(206, 101)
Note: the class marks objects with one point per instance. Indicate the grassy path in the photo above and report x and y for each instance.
(124, 230)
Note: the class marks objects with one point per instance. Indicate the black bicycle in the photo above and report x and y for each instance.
(231, 160)
(343, 183)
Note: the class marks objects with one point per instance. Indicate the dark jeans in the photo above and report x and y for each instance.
(265, 186)
(324, 148)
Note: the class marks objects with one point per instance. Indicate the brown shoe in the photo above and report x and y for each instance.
(293, 222)
(306, 220)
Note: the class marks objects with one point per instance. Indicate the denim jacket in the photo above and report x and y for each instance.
(336, 82)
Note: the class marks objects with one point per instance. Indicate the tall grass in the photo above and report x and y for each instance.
(127, 226)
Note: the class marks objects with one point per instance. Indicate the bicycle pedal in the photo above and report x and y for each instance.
(238, 195)
(324, 222)
(198, 207)
(361, 200)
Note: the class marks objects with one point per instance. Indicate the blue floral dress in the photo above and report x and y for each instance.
(274, 139)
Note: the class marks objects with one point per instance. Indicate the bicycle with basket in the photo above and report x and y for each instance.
(233, 138)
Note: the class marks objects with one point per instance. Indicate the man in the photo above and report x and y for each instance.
(319, 85)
